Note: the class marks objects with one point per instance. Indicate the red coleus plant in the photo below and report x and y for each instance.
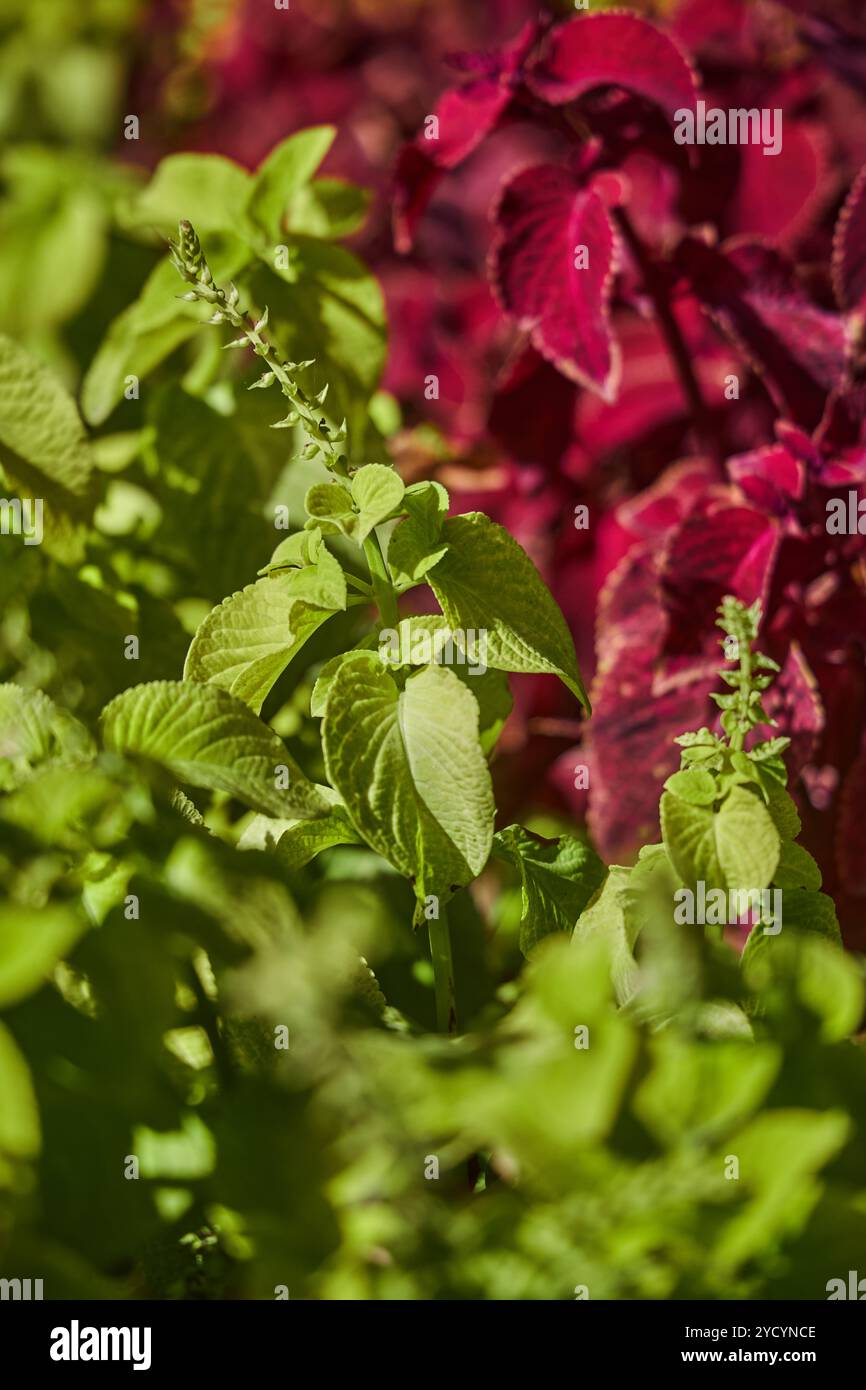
(554, 222)
(693, 302)
(649, 329)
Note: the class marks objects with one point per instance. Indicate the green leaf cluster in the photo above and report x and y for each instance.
(244, 775)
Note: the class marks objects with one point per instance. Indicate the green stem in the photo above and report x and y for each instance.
(443, 973)
(739, 737)
(383, 590)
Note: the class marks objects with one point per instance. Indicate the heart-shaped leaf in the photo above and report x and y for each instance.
(410, 770)
(552, 267)
(376, 490)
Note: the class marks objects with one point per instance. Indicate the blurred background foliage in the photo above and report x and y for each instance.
(309, 1168)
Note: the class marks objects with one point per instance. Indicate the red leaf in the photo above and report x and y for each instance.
(618, 50)
(849, 247)
(749, 290)
(771, 477)
(843, 424)
(794, 701)
(639, 711)
(650, 395)
(778, 197)
(532, 412)
(726, 551)
(463, 119)
(544, 216)
(415, 178)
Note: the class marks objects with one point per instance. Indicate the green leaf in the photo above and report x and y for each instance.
(58, 804)
(321, 583)
(486, 582)
(33, 730)
(377, 490)
(325, 679)
(327, 305)
(246, 643)
(32, 941)
(735, 847)
(784, 1192)
(40, 428)
(783, 811)
(215, 478)
(207, 738)
(557, 879)
(495, 702)
(425, 639)
(416, 545)
(20, 1135)
(330, 502)
(151, 328)
(328, 208)
(295, 551)
(410, 770)
(206, 187)
(605, 918)
(689, 834)
(699, 738)
(805, 910)
(296, 842)
(747, 841)
(696, 1091)
(812, 969)
(695, 785)
(796, 868)
(54, 213)
(282, 176)
(804, 913)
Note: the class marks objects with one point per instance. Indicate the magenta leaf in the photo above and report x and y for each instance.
(532, 412)
(552, 268)
(771, 477)
(794, 701)
(643, 703)
(749, 291)
(779, 197)
(415, 178)
(461, 121)
(843, 423)
(465, 118)
(728, 550)
(613, 50)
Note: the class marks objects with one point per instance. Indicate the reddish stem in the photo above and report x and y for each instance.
(656, 287)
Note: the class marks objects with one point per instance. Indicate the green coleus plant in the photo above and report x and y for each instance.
(729, 861)
(209, 1013)
(410, 715)
(169, 999)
